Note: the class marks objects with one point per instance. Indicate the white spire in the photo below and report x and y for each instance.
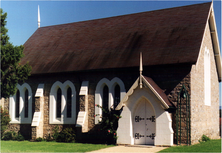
(141, 62)
(141, 69)
(38, 17)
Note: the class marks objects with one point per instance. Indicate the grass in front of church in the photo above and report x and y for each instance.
(26, 146)
(209, 146)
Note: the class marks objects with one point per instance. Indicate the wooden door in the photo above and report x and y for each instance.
(144, 123)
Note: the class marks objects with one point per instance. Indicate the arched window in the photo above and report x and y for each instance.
(108, 94)
(20, 105)
(116, 95)
(69, 102)
(58, 103)
(62, 103)
(105, 97)
(17, 104)
(26, 103)
(207, 77)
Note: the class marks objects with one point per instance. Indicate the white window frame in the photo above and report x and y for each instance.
(52, 103)
(99, 94)
(207, 77)
(12, 105)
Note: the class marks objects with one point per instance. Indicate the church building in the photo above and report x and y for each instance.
(160, 68)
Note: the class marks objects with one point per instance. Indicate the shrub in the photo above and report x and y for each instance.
(19, 137)
(66, 135)
(7, 136)
(5, 119)
(204, 138)
(48, 138)
(12, 136)
(39, 139)
(109, 125)
(55, 133)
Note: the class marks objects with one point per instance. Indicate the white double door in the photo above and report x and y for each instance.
(144, 123)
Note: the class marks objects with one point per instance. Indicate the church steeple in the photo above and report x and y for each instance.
(38, 17)
(141, 69)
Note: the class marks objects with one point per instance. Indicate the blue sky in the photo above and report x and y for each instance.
(22, 15)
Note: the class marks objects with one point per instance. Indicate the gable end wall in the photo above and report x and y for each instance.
(204, 119)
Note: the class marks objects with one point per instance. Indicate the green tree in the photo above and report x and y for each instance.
(5, 119)
(11, 70)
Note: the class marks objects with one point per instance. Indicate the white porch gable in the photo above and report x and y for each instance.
(154, 101)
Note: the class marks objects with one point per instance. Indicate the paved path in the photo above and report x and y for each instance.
(129, 149)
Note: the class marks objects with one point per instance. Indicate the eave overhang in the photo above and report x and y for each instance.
(215, 41)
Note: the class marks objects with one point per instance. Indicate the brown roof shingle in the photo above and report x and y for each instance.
(166, 36)
(158, 90)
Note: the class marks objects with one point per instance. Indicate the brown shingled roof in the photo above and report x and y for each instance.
(158, 90)
(166, 36)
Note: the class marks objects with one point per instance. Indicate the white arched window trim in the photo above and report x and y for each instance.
(12, 105)
(52, 103)
(99, 94)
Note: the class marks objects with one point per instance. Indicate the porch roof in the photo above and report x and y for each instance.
(148, 83)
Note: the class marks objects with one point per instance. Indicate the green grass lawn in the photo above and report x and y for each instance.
(209, 146)
(26, 146)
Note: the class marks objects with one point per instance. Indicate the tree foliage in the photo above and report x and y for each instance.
(109, 124)
(5, 119)
(12, 71)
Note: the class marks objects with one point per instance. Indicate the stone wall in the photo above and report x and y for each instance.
(91, 111)
(204, 119)
(170, 78)
(76, 79)
(82, 103)
(6, 104)
(182, 115)
(24, 129)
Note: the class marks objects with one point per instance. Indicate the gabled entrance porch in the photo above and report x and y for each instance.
(144, 116)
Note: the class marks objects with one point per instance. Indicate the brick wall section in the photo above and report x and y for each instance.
(204, 119)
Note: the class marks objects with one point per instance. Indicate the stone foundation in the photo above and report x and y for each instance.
(24, 129)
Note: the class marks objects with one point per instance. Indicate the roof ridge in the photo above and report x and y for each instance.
(119, 16)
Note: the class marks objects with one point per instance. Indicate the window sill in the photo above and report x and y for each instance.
(14, 122)
(64, 121)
